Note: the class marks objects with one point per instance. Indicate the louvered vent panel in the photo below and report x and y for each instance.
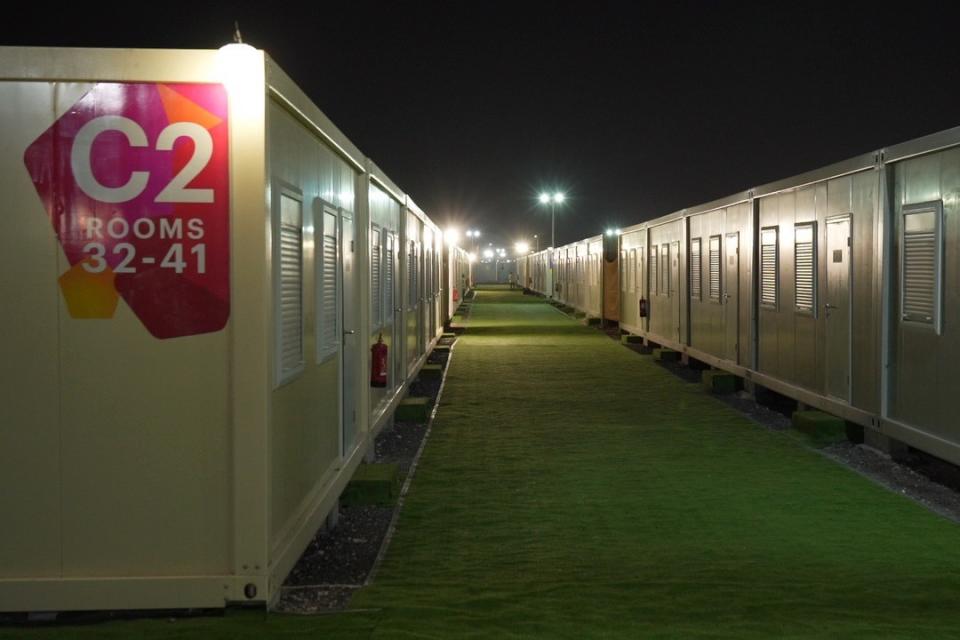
(412, 277)
(804, 274)
(768, 269)
(388, 283)
(919, 276)
(715, 268)
(376, 291)
(291, 298)
(696, 270)
(328, 300)
(654, 271)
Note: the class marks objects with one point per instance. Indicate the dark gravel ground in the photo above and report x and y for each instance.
(927, 480)
(339, 561)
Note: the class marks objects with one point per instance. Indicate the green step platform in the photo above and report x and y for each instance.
(631, 339)
(717, 381)
(821, 428)
(431, 371)
(372, 484)
(666, 355)
(413, 409)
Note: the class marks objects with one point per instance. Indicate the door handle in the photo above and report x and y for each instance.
(349, 332)
(829, 306)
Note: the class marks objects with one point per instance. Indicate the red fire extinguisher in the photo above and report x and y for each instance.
(643, 308)
(378, 363)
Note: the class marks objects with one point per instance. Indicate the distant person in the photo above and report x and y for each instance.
(512, 279)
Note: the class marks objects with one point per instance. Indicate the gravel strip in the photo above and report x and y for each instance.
(338, 561)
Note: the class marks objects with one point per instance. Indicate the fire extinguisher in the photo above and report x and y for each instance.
(378, 363)
(643, 308)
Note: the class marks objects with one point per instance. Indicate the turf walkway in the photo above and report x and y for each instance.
(572, 488)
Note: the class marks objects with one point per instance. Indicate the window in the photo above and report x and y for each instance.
(388, 278)
(921, 264)
(768, 268)
(665, 270)
(654, 282)
(714, 283)
(638, 263)
(412, 276)
(624, 269)
(376, 289)
(805, 268)
(329, 332)
(696, 274)
(289, 290)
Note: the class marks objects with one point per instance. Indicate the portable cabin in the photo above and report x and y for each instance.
(187, 267)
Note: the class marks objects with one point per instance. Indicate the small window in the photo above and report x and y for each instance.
(654, 264)
(715, 269)
(329, 332)
(665, 270)
(388, 279)
(638, 263)
(768, 268)
(290, 290)
(696, 273)
(624, 269)
(412, 276)
(376, 290)
(805, 268)
(921, 264)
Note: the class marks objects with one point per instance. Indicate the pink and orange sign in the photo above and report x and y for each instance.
(135, 179)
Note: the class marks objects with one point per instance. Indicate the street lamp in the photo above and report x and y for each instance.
(553, 201)
(475, 234)
(536, 240)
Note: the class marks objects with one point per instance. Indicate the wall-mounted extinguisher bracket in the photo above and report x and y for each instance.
(378, 363)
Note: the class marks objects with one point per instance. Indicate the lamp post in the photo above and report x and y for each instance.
(475, 234)
(553, 201)
(536, 241)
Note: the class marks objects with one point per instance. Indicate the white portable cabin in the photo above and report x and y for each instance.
(187, 276)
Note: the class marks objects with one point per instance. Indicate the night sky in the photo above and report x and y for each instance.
(634, 111)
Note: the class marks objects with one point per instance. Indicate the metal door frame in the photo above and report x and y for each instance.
(346, 402)
(848, 219)
(725, 274)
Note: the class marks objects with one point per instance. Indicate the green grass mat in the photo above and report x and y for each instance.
(573, 489)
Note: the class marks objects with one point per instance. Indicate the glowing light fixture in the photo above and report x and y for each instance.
(522, 247)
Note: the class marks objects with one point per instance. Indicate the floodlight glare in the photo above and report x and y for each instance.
(488, 253)
(544, 198)
(559, 197)
(522, 247)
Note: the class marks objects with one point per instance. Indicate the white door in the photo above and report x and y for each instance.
(837, 308)
(731, 297)
(351, 337)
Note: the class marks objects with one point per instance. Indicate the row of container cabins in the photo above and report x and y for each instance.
(839, 288)
(192, 472)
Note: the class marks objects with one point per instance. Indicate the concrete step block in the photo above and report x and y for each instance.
(372, 484)
(631, 339)
(821, 428)
(431, 371)
(593, 322)
(448, 336)
(413, 409)
(666, 355)
(717, 381)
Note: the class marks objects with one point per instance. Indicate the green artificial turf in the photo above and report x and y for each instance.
(572, 488)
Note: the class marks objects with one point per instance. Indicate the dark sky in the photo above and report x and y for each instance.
(633, 110)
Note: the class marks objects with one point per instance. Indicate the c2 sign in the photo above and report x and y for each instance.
(135, 179)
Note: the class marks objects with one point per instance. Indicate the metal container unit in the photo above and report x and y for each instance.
(178, 448)
(834, 287)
